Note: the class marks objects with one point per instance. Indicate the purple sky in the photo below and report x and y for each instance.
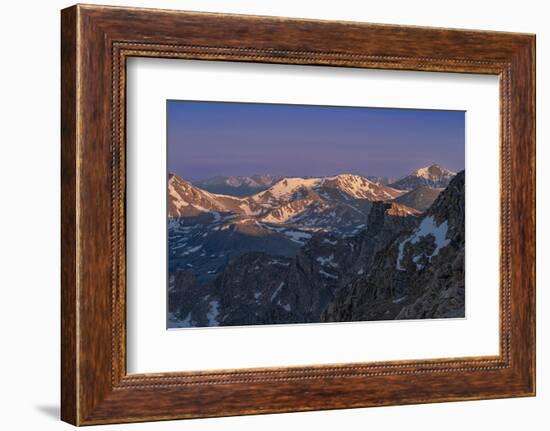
(206, 139)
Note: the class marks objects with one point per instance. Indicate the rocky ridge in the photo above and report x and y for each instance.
(259, 288)
(419, 274)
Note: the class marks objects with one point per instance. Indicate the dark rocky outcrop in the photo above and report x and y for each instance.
(420, 274)
(260, 288)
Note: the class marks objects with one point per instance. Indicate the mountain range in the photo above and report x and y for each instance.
(237, 185)
(285, 250)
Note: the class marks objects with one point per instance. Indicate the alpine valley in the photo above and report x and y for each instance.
(272, 250)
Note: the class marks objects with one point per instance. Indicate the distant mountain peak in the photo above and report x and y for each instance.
(433, 171)
(238, 186)
(433, 175)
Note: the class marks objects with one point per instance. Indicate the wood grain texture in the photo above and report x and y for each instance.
(96, 41)
(69, 397)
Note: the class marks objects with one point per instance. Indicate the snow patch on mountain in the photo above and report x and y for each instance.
(175, 322)
(285, 188)
(428, 226)
(326, 274)
(276, 292)
(298, 236)
(213, 313)
(323, 260)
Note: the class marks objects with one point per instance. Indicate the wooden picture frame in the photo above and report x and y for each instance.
(95, 43)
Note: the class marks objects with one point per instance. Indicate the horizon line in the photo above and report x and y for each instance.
(366, 176)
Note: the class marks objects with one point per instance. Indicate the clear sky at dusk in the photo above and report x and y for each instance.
(206, 139)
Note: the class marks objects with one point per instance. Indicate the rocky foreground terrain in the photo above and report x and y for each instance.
(332, 249)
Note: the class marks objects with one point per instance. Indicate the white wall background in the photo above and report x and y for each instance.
(29, 217)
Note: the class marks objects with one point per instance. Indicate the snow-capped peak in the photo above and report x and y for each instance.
(186, 199)
(433, 171)
(350, 185)
(286, 187)
(360, 187)
(432, 176)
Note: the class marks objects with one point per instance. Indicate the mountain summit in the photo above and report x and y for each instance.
(431, 176)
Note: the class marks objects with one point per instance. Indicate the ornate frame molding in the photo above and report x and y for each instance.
(96, 41)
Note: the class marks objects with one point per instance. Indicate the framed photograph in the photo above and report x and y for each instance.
(313, 238)
(267, 215)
